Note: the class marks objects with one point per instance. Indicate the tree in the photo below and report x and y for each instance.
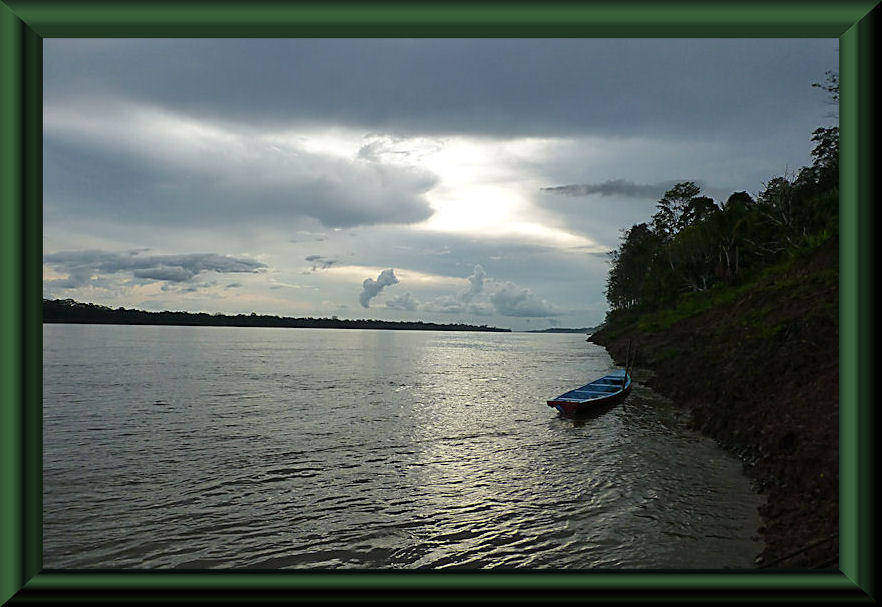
(826, 157)
(691, 243)
(668, 220)
(697, 210)
(694, 252)
(631, 266)
(730, 224)
(826, 152)
(830, 84)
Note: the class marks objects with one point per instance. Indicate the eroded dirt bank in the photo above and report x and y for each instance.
(758, 370)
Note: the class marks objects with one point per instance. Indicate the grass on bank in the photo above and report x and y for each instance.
(763, 289)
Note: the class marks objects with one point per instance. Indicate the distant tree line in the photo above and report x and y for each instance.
(692, 243)
(563, 330)
(70, 311)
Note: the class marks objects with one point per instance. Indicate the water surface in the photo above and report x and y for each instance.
(219, 447)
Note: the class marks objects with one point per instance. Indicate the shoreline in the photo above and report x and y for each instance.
(759, 375)
(247, 326)
(72, 312)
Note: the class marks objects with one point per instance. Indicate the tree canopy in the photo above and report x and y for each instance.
(692, 243)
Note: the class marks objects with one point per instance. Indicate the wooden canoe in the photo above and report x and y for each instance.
(607, 390)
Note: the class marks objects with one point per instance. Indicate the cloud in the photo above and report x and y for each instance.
(77, 277)
(509, 299)
(377, 149)
(490, 86)
(445, 304)
(371, 288)
(505, 298)
(476, 283)
(170, 273)
(487, 296)
(145, 165)
(394, 150)
(143, 149)
(307, 236)
(623, 188)
(320, 262)
(405, 301)
(187, 287)
(85, 267)
(612, 187)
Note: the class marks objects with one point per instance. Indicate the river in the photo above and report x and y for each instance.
(221, 447)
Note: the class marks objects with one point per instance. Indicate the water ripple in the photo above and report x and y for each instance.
(194, 448)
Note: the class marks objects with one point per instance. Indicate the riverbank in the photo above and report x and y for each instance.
(757, 366)
(74, 312)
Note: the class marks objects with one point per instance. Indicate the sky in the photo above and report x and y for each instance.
(454, 180)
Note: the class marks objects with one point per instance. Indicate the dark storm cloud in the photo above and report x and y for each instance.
(319, 262)
(602, 209)
(115, 178)
(622, 188)
(81, 266)
(170, 273)
(504, 87)
(258, 141)
(612, 187)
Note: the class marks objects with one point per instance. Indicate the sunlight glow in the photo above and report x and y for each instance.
(331, 142)
(484, 189)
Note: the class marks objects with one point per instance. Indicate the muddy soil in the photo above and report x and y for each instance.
(761, 376)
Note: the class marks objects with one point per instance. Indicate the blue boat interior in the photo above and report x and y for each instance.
(606, 385)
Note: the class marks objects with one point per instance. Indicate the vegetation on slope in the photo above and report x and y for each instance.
(757, 367)
(692, 243)
(735, 309)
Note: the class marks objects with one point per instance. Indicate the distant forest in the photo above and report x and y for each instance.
(693, 244)
(585, 330)
(70, 311)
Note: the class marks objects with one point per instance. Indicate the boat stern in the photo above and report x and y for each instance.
(564, 407)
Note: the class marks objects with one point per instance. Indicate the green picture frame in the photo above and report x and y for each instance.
(23, 25)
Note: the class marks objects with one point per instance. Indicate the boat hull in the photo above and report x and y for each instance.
(571, 409)
(593, 397)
